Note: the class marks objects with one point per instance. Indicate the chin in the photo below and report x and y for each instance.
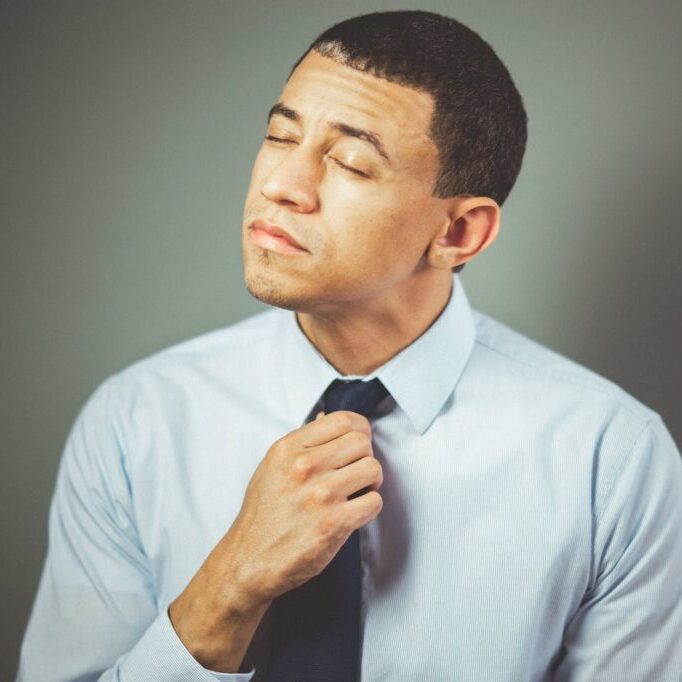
(266, 280)
(266, 289)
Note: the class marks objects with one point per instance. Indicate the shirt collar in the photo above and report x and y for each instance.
(419, 378)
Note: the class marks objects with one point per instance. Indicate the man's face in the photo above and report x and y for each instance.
(364, 235)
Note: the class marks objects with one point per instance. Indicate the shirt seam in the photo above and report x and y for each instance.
(625, 461)
(608, 496)
(634, 412)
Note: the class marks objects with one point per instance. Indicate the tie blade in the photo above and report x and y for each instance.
(316, 626)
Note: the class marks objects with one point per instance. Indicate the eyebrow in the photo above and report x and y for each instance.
(343, 128)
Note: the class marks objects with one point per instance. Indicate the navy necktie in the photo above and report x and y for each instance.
(315, 635)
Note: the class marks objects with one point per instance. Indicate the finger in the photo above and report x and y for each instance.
(365, 473)
(362, 509)
(331, 426)
(343, 450)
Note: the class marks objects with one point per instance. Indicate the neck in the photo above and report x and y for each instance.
(357, 338)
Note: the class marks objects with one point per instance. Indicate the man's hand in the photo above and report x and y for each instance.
(295, 517)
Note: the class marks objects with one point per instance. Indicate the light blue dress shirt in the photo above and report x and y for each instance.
(531, 526)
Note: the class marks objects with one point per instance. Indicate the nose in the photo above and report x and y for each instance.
(292, 181)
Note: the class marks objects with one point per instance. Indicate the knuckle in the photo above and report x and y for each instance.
(322, 495)
(303, 467)
(344, 419)
(361, 440)
(377, 502)
(378, 469)
(327, 528)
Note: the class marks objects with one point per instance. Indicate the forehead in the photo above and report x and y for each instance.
(321, 89)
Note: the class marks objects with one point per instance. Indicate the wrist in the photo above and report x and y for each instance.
(216, 636)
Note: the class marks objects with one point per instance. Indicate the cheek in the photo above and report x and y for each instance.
(389, 223)
(375, 239)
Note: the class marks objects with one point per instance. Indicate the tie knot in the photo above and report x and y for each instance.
(355, 395)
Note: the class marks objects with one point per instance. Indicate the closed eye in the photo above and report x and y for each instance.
(272, 138)
(277, 139)
(348, 168)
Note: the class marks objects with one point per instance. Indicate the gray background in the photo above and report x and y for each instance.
(128, 134)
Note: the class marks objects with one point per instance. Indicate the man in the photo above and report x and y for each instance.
(372, 480)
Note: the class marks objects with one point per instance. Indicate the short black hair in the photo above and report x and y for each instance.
(479, 123)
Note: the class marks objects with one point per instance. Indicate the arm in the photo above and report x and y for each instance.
(629, 624)
(95, 615)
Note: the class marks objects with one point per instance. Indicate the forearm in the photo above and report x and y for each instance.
(217, 642)
(218, 612)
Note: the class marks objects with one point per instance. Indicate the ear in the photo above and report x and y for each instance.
(470, 226)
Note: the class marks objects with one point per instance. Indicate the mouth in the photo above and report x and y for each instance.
(274, 237)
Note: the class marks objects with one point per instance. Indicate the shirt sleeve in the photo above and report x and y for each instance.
(629, 623)
(95, 615)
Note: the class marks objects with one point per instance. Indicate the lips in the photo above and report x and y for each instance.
(276, 230)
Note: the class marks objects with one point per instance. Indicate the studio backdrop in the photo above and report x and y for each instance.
(128, 134)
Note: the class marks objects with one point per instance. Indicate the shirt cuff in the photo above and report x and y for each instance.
(234, 677)
(161, 655)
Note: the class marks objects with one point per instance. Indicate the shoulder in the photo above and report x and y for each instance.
(524, 365)
(219, 343)
(563, 408)
(221, 348)
(161, 384)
